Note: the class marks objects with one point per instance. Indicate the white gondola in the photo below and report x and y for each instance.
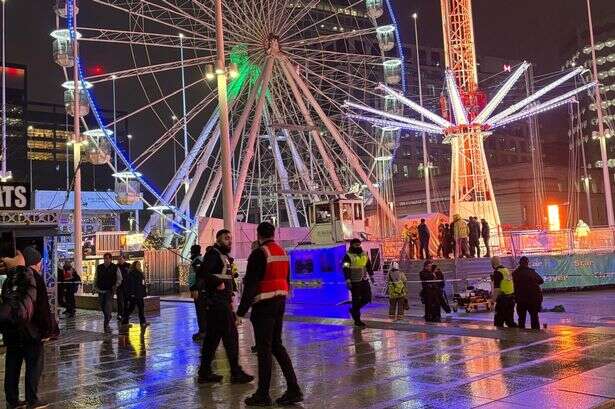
(69, 98)
(392, 71)
(98, 152)
(61, 8)
(392, 105)
(336, 221)
(388, 135)
(374, 8)
(386, 37)
(63, 48)
(127, 187)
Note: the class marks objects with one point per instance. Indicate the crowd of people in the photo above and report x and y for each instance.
(461, 238)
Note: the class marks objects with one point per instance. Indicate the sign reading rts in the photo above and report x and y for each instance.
(14, 196)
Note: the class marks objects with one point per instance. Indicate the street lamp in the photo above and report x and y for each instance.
(5, 175)
(601, 134)
(423, 134)
(129, 136)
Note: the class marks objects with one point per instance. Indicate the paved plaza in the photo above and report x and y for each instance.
(458, 364)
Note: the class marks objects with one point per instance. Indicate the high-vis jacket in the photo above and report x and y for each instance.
(275, 280)
(506, 285)
(356, 265)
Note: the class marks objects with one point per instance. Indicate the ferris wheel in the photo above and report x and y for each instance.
(292, 64)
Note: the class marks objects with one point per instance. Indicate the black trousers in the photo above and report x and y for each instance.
(504, 311)
(432, 304)
(474, 248)
(131, 303)
(121, 301)
(69, 297)
(200, 306)
(361, 296)
(523, 309)
(220, 325)
(424, 249)
(267, 319)
(486, 243)
(106, 305)
(33, 354)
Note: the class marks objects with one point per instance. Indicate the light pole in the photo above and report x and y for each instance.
(184, 119)
(423, 134)
(225, 144)
(129, 137)
(114, 77)
(4, 174)
(603, 153)
(77, 232)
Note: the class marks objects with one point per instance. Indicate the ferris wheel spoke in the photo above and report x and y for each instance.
(158, 15)
(348, 154)
(346, 35)
(253, 133)
(334, 70)
(147, 69)
(318, 22)
(150, 105)
(173, 130)
(145, 39)
(293, 19)
(336, 56)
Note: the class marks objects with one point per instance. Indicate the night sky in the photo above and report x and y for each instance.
(521, 29)
(533, 30)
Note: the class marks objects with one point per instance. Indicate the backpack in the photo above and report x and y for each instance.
(18, 302)
(194, 266)
(396, 289)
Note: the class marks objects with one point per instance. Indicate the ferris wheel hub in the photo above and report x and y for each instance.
(272, 45)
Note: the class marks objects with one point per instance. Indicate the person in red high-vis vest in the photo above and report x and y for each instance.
(266, 286)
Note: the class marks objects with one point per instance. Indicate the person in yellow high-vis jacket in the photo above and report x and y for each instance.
(503, 294)
(357, 270)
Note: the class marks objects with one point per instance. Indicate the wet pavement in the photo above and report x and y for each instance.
(388, 365)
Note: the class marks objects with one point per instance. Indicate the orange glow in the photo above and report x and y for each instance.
(553, 215)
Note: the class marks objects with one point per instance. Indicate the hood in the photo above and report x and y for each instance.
(456, 217)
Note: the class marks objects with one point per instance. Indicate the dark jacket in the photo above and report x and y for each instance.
(69, 284)
(474, 228)
(38, 311)
(423, 232)
(428, 275)
(124, 269)
(106, 277)
(134, 284)
(255, 271)
(484, 230)
(527, 286)
(206, 278)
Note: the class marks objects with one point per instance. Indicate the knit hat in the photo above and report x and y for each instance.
(31, 256)
(495, 261)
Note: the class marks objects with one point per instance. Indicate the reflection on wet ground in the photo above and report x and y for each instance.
(388, 365)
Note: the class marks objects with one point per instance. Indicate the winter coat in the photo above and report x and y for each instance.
(527, 286)
(134, 284)
(474, 230)
(423, 232)
(460, 228)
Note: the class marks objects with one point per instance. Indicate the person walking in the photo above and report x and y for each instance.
(430, 293)
(424, 235)
(474, 236)
(397, 291)
(70, 284)
(357, 269)
(460, 233)
(528, 293)
(503, 295)
(135, 291)
(485, 232)
(120, 294)
(215, 279)
(24, 295)
(266, 286)
(196, 259)
(106, 280)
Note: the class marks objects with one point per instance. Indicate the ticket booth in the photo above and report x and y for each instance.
(337, 220)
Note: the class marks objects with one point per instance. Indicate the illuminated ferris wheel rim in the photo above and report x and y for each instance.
(192, 40)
